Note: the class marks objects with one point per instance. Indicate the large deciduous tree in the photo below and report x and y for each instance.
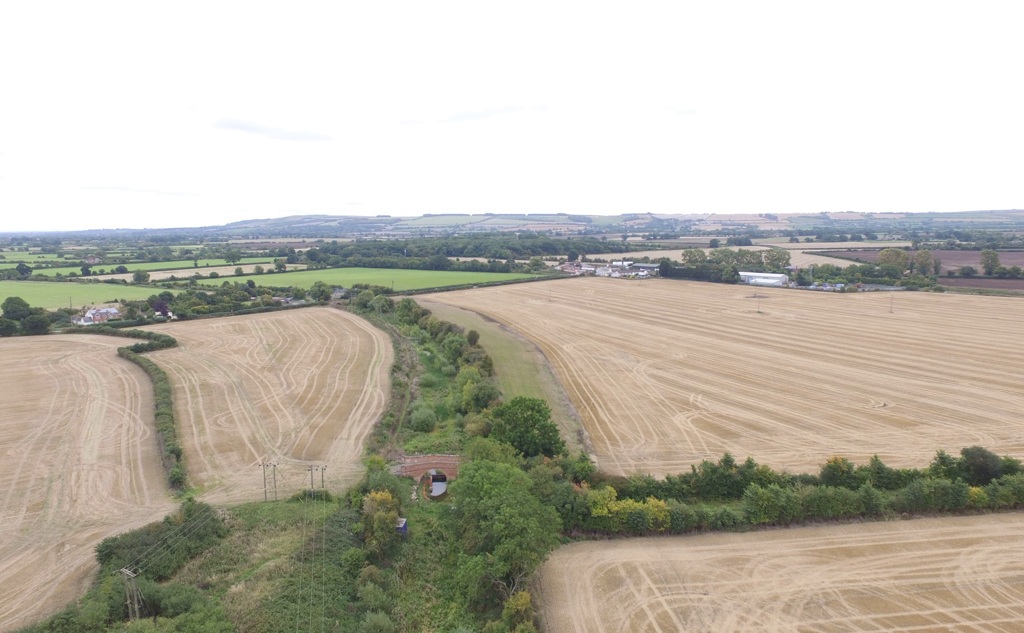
(775, 259)
(923, 262)
(893, 257)
(36, 324)
(8, 327)
(319, 291)
(989, 261)
(15, 308)
(693, 256)
(526, 424)
(502, 525)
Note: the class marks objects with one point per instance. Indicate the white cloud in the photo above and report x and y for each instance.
(584, 107)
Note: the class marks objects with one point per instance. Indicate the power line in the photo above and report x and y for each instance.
(168, 543)
(273, 466)
(312, 554)
(173, 535)
(323, 568)
(302, 552)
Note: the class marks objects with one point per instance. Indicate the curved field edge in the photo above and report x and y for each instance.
(81, 464)
(935, 574)
(668, 373)
(163, 401)
(298, 389)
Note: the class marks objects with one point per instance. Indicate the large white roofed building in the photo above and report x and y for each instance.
(764, 279)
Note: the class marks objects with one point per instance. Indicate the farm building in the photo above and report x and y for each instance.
(97, 315)
(764, 279)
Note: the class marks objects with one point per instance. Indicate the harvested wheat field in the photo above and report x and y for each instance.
(298, 388)
(802, 257)
(926, 575)
(80, 464)
(667, 373)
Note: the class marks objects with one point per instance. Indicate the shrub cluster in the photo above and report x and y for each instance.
(729, 495)
(451, 395)
(155, 552)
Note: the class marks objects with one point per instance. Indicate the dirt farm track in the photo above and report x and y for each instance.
(666, 373)
(926, 575)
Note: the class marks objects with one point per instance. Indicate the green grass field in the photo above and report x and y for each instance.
(53, 295)
(181, 264)
(400, 280)
(32, 259)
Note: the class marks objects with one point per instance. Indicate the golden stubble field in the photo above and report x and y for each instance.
(800, 255)
(80, 463)
(298, 388)
(927, 575)
(667, 373)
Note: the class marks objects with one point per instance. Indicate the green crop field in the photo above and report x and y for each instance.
(53, 295)
(180, 264)
(399, 279)
(11, 259)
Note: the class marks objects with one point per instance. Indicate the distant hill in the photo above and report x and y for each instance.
(384, 226)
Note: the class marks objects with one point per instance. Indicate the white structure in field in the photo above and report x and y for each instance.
(764, 279)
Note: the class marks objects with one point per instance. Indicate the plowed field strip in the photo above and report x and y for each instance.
(962, 574)
(81, 464)
(298, 388)
(666, 373)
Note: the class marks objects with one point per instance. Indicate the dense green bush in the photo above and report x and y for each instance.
(159, 549)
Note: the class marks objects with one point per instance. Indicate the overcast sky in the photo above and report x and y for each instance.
(142, 114)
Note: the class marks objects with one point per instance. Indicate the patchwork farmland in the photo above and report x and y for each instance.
(667, 373)
(80, 464)
(942, 574)
(297, 388)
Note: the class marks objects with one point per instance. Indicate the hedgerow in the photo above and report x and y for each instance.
(163, 401)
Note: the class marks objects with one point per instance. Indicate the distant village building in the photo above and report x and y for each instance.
(764, 279)
(97, 315)
(614, 269)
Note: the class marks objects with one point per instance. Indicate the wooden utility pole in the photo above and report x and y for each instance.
(132, 596)
(313, 469)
